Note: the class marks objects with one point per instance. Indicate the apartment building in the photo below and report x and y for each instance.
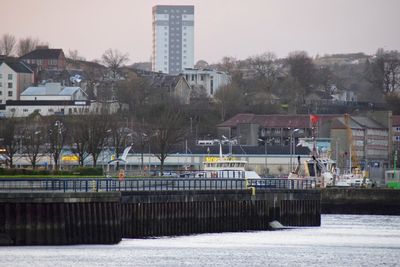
(173, 38)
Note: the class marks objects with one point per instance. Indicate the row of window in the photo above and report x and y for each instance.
(10, 93)
(40, 61)
(70, 110)
(9, 85)
(175, 11)
(9, 76)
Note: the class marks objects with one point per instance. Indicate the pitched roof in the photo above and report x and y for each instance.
(367, 122)
(15, 64)
(274, 121)
(69, 90)
(43, 53)
(164, 81)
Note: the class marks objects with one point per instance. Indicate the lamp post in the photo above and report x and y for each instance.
(292, 147)
(59, 141)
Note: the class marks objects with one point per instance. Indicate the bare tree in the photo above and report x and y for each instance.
(33, 143)
(302, 69)
(228, 64)
(167, 129)
(134, 91)
(114, 59)
(7, 44)
(383, 71)
(229, 100)
(97, 129)
(26, 45)
(74, 55)
(78, 137)
(10, 138)
(57, 140)
(266, 72)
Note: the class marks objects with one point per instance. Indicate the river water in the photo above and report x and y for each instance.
(342, 240)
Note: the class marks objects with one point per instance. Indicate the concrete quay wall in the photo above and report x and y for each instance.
(146, 214)
(59, 218)
(106, 217)
(360, 201)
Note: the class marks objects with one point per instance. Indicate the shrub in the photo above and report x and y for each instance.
(88, 171)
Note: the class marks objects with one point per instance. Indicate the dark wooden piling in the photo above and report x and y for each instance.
(60, 218)
(147, 214)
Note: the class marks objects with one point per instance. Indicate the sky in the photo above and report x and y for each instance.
(235, 28)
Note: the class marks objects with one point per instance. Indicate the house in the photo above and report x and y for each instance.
(15, 77)
(361, 142)
(396, 133)
(46, 58)
(55, 99)
(170, 85)
(206, 79)
(53, 91)
(273, 129)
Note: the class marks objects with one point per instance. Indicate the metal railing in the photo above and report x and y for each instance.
(148, 184)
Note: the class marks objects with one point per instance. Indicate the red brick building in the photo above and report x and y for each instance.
(45, 58)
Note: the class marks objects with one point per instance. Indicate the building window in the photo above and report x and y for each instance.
(10, 93)
(1, 76)
(10, 76)
(397, 138)
(193, 77)
(25, 110)
(75, 110)
(202, 77)
(1, 92)
(10, 85)
(1, 101)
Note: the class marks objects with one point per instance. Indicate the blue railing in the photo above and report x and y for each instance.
(148, 184)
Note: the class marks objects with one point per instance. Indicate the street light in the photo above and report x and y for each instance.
(292, 147)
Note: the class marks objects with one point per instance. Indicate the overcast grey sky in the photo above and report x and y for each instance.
(235, 28)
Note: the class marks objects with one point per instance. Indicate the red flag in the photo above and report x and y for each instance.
(314, 119)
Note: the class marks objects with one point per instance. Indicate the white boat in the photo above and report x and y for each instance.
(355, 179)
(226, 167)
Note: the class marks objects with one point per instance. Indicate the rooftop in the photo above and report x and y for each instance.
(43, 53)
(15, 64)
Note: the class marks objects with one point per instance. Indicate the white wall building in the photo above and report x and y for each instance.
(54, 99)
(173, 38)
(15, 76)
(53, 91)
(208, 79)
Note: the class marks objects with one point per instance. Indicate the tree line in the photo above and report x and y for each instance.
(85, 136)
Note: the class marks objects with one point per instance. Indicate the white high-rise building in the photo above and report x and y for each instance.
(173, 38)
